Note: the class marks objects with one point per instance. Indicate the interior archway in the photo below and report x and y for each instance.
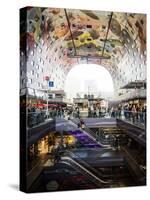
(89, 79)
(62, 38)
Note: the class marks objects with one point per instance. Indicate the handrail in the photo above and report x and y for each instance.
(92, 134)
(130, 156)
(85, 164)
(127, 115)
(79, 167)
(37, 117)
(131, 160)
(104, 140)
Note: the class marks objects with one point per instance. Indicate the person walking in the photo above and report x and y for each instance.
(82, 124)
(134, 113)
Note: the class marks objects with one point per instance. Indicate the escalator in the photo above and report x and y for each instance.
(72, 172)
(108, 135)
(135, 167)
(82, 167)
(86, 137)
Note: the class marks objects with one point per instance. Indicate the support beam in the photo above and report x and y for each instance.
(71, 33)
(107, 34)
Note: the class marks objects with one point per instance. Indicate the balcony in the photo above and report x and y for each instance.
(136, 93)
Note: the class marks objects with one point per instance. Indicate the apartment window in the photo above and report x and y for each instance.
(47, 48)
(35, 45)
(140, 66)
(42, 42)
(32, 72)
(29, 80)
(32, 53)
(27, 48)
(22, 63)
(136, 69)
(38, 37)
(32, 62)
(47, 36)
(23, 81)
(37, 66)
(128, 40)
(21, 72)
(136, 77)
(37, 75)
(132, 32)
(40, 50)
(22, 54)
(39, 59)
(133, 45)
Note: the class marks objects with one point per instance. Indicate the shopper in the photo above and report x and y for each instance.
(134, 113)
(82, 124)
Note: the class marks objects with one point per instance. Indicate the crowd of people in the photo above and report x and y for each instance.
(131, 112)
(94, 112)
(35, 115)
(38, 115)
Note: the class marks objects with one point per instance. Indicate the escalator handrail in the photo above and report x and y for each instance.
(91, 134)
(81, 161)
(103, 141)
(79, 170)
(87, 130)
(85, 164)
(129, 157)
(80, 167)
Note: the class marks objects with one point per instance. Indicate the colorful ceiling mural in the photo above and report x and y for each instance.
(103, 37)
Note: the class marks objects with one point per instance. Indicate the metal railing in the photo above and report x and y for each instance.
(86, 165)
(83, 167)
(139, 170)
(38, 117)
(35, 118)
(137, 118)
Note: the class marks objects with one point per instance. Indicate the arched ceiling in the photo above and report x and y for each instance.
(86, 36)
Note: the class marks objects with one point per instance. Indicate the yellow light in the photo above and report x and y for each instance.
(70, 139)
